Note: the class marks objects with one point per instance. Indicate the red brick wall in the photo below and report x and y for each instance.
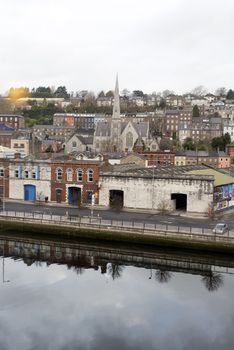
(74, 165)
(159, 158)
(4, 182)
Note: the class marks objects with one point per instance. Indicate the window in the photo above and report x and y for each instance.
(129, 139)
(26, 174)
(90, 175)
(17, 173)
(1, 172)
(74, 144)
(59, 174)
(34, 174)
(79, 175)
(69, 174)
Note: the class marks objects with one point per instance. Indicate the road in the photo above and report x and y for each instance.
(120, 215)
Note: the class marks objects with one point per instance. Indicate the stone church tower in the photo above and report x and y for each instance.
(116, 121)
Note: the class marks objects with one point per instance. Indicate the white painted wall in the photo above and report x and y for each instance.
(146, 193)
(16, 188)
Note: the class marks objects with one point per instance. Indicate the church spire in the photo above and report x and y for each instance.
(116, 106)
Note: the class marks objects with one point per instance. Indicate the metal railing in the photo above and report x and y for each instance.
(96, 222)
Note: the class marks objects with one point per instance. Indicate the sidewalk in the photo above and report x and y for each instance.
(99, 207)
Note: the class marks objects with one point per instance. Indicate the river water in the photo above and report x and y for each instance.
(65, 296)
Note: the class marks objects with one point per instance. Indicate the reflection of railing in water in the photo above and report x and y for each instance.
(80, 255)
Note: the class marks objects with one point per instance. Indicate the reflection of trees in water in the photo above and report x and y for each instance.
(79, 270)
(115, 270)
(163, 276)
(212, 281)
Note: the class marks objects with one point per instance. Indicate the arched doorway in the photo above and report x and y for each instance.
(29, 192)
(74, 195)
(180, 201)
(116, 200)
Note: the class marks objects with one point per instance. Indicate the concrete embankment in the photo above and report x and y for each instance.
(133, 235)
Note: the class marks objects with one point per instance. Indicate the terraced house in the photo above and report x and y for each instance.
(74, 181)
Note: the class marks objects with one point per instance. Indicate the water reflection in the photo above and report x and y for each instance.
(58, 298)
(163, 276)
(212, 281)
(79, 257)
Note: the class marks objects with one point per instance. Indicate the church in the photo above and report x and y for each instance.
(119, 135)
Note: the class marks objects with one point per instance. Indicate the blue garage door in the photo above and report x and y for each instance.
(29, 192)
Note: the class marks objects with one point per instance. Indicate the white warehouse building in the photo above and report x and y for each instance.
(156, 189)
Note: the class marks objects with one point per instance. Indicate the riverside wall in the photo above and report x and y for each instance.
(114, 232)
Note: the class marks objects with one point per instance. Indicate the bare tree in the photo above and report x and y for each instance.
(166, 93)
(199, 90)
(115, 270)
(163, 276)
(212, 281)
(163, 207)
(222, 91)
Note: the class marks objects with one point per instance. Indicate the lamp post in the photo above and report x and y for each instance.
(3, 266)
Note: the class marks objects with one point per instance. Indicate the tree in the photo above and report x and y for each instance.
(162, 104)
(61, 92)
(125, 92)
(166, 144)
(221, 142)
(163, 276)
(110, 94)
(115, 270)
(41, 92)
(138, 93)
(15, 93)
(189, 144)
(196, 112)
(6, 106)
(199, 90)
(230, 95)
(222, 91)
(212, 281)
(166, 93)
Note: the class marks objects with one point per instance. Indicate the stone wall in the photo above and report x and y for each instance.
(148, 193)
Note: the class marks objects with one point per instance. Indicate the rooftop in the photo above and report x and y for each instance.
(219, 178)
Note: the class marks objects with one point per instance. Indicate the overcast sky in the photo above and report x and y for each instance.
(153, 44)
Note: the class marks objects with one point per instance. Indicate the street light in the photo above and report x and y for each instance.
(3, 265)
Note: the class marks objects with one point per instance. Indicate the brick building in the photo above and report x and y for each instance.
(4, 180)
(6, 133)
(230, 152)
(159, 157)
(74, 181)
(13, 120)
